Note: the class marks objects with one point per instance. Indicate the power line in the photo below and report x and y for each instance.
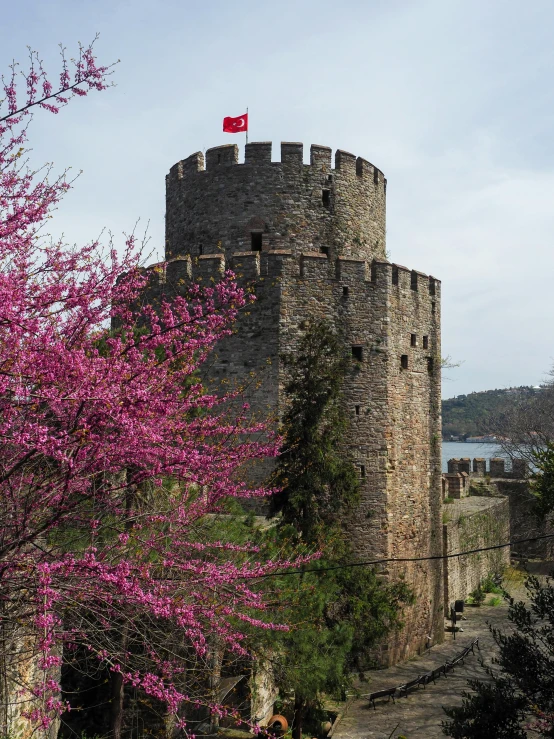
(369, 563)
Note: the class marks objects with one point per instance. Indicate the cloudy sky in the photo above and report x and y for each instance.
(452, 99)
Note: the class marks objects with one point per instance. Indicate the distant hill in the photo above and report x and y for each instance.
(469, 415)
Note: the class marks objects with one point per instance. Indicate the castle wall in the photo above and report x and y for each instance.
(474, 523)
(513, 485)
(300, 207)
(524, 521)
(325, 259)
(413, 433)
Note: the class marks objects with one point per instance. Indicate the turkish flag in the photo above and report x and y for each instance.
(236, 125)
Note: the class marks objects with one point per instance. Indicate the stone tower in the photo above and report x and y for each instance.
(311, 237)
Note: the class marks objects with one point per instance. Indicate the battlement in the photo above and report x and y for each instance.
(292, 156)
(282, 263)
(497, 467)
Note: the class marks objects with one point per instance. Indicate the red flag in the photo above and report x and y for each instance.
(236, 125)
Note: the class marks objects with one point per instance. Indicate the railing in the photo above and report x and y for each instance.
(402, 690)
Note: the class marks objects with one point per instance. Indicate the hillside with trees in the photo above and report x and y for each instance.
(471, 415)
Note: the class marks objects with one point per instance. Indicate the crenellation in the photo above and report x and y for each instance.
(156, 275)
(219, 156)
(246, 264)
(497, 467)
(402, 277)
(345, 162)
(175, 174)
(257, 152)
(381, 272)
(364, 168)
(480, 466)
(434, 286)
(314, 265)
(520, 469)
(178, 270)
(292, 154)
(320, 157)
(278, 262)
(209, 266)
(192, 165)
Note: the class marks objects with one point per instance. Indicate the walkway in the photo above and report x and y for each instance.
(419, 715)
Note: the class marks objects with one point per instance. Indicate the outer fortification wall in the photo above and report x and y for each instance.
(322, 256)
(215, 204)
(474, 523)
(513, 484)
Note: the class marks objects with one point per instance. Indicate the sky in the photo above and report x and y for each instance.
(453, 100)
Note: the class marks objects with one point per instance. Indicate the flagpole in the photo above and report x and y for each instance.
(246, 125)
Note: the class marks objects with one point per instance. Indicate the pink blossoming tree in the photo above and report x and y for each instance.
(111, 450)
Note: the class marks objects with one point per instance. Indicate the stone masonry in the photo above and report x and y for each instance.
(310, 239)
(465, 477)
(475, 522)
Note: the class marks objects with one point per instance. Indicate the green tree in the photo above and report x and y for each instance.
(342, 609)
(542, 479)
(520, 689)
(316, 480)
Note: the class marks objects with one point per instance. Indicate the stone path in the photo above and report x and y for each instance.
(419, 716)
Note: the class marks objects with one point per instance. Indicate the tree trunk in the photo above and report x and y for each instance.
(117, 688)
(117, 695)
(215, 680)
(299, 709)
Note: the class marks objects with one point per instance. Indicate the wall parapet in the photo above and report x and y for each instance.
(291, 154)
(308, 265)
(496, 467)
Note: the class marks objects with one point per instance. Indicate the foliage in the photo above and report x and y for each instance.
(494, 710)
(542, 479)
(520, 691)
(490, 584)
(315, 480)
(477, 596)
(91, 422)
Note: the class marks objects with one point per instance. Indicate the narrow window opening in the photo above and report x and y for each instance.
(357, 407)
(362, 471)
(394, 274)
(256, 239)
(430, 364)
(431, 287)
(413, 340)
(345, 291)
(426, 342)
(357, 353)
(329, 178)
(404, 361)
(324, 250)
(433, 307)
(326, 198)
(413, 281)
(200, 250)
